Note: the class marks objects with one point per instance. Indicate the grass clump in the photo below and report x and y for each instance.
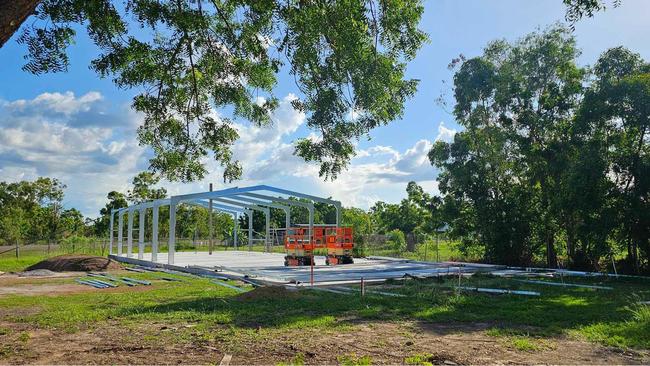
(353, 360)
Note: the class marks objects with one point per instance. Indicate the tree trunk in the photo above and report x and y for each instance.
(551, 255)
(12, 14)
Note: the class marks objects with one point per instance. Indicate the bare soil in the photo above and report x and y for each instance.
(383, 342)
(82, 263)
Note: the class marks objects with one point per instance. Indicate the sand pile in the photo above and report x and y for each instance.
(83, 263)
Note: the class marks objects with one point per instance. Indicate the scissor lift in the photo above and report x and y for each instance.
(337, 240)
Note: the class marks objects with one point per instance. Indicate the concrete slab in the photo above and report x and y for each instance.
(269, 267)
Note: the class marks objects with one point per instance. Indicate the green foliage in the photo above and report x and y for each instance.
(143, 189)
(551, 157)
(192, 57)
(396, 240)
(33, 211)
(354, 360)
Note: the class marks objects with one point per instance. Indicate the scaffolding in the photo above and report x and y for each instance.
(235, 201)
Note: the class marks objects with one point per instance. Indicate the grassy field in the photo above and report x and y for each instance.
(173, 315)
(218, 315)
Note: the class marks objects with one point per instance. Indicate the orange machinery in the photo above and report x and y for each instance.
(300, 250)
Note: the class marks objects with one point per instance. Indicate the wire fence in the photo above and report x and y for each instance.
(417, 247)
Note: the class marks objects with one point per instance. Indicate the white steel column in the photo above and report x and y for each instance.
(250, 229)
(141, 213)
(338, 214)
(311, 222)
(120, 229)
(110, 230)
(129, 239)
(287, 214)
(154, 234)
(267, 213)
(171, 248)
(236, 229)
(211, 228)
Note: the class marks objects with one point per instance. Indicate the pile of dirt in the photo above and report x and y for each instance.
(267, 292)
(81, 263)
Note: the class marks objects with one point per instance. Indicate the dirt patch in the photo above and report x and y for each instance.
(159, 342)
(267, 292)
(83, 263)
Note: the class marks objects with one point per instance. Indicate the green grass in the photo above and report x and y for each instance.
(354, 360)
(608, 317)
(445, 251)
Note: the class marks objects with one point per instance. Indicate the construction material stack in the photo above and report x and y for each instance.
(338, 241)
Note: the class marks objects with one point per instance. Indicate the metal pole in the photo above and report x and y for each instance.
(311, 223)
(267, 213)
(171, 248)
(154, 235)
(141, 214)
(129, 239)
(235, 228)
(211, 239)
(110, 230)
(120, 234)
(437, 248)
(287, 215)
(338, 214)
(250, 229)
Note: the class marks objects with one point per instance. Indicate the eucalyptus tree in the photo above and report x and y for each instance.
(516, 103)
(616, 116)
(201, 64)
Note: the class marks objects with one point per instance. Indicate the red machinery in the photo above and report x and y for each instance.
(337, 240)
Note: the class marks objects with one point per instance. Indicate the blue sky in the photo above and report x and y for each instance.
(80, 129)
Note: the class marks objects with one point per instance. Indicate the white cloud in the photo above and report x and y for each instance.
(444, 133)
(63, 136)
(75, 140)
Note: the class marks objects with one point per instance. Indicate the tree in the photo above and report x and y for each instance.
(552, 156)
(116, 200)
(203, 63)
(516, 103)
(578, 9)
(616, 116)
(34, 206)
(143, 188)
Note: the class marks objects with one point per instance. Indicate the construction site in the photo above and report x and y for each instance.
(298, 295)
(315, 254)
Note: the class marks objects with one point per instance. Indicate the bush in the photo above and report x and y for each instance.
(396, 240)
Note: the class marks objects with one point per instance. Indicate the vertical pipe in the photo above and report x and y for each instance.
(110, 230)
(311, 223)
(250, 229)
(211, 239)
(154, 234)
(287, 217)
(338, 214)
(235, 228)
(120, 234)
(267, 213)
(171, 249)
(141, 229)
(129, 239)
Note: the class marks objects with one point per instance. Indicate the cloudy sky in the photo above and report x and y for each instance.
(80, 129)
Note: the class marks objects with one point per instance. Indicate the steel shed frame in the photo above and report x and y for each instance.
(234, 201)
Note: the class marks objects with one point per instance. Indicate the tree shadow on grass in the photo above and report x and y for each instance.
(558, 310)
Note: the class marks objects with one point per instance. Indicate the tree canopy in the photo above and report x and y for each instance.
(201, 64)
(553, 156)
